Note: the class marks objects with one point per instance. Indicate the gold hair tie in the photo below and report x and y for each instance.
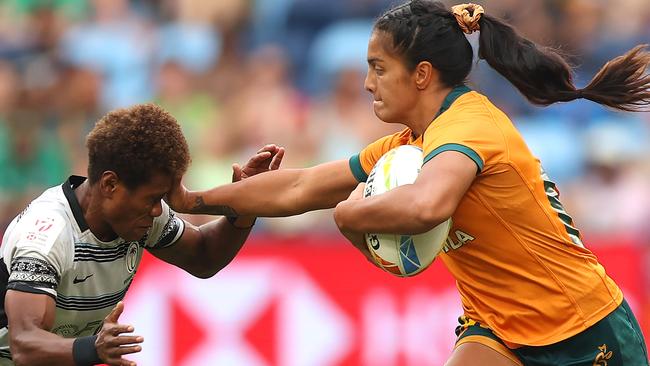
(467, 16)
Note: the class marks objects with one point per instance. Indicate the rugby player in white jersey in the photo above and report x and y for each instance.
(70, 256)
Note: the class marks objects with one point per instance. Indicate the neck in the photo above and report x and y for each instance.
(426, 110)
(89, 201)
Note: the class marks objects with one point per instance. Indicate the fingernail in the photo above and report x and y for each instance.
(140, 339)
(130, 329)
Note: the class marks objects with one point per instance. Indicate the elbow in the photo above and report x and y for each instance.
(204, 275)
(205, 270)
(428, 216)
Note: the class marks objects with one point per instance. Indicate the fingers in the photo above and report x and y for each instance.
(264, 154)
(125, 350)
(267, 158)
(236, 172)
(272, 148)
(357, 193)
(119, 361)
(277, 159)
(118, 329)
(116, 347)
(114, 315)
(125, 340)
(259, 157)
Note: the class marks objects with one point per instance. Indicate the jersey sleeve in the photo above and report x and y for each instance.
(471, 138)
(166, 229)
(38, 253)
(362, 163)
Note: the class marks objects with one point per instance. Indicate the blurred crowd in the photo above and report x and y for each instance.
(238, 74)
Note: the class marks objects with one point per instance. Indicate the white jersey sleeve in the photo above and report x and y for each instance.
(166, 229)
(37, 252)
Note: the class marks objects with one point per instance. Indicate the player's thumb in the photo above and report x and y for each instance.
(358, 192)
(236, 172)
(114, 315)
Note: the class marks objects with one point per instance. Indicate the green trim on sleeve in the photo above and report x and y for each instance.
(461, 149)
(357, 169)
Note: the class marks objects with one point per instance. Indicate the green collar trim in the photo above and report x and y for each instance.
(454, 94)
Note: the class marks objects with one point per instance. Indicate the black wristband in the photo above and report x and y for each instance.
(233, 219)
(84, 352)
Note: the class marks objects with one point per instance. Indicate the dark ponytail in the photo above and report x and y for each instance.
(544, 77)
(425, 30)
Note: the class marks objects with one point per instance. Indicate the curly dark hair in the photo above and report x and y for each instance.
(135, 143)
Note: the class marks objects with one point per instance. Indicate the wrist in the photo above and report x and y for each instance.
(84, 351)
(188, 202)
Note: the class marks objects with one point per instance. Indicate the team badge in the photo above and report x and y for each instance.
(131, 257)
(603, 356)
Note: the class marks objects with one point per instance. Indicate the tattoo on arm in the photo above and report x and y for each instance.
(201, 208)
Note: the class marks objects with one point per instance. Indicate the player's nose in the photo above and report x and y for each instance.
(156, 210)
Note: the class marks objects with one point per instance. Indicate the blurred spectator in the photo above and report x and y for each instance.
(117, 44)
(212, 140)
(77, 110)
(343, 123)
(30, 158)
(613, 197)
(268, 108)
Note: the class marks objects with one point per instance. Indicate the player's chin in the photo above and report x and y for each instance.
(385, 115)
(380, 110)
(135, 234)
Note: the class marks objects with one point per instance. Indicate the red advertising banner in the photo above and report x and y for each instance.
(312, 301)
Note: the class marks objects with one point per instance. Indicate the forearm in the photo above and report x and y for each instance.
(268, 194)
(40, 347)
(284, 192)
(400, 210)
(220, 243)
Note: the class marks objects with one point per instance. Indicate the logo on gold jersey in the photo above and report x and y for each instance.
(603, 356)
(457, 239)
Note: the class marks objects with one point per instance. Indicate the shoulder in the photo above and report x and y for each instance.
(166, 229)
(43, 224)
(383, 144)
(471, 107)
(471, 114)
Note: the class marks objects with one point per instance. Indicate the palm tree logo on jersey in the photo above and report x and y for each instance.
(131, 258)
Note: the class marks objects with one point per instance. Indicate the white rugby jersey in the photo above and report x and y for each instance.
(49, 249)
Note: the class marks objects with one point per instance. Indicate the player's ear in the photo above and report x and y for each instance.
(425, 74)
(108, 183)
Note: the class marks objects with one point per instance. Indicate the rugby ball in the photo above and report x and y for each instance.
(403, 255)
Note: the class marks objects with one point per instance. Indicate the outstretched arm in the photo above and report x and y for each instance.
(203, 251)
(283, 192)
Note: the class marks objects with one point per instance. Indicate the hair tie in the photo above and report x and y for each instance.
(467, 16)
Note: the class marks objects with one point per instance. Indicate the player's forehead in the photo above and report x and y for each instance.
(157, 185)
(380, 48)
